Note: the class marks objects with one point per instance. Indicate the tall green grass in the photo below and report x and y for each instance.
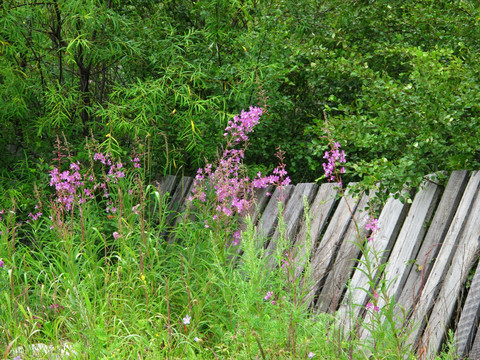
(130, 285)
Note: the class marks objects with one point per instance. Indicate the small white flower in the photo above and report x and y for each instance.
(186, 320)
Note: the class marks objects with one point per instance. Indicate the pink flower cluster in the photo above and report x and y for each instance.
(66, 184)
(279, 177)
(372, 225)
(70, 184)
(241, 125)
(334, 159)
(233, 189)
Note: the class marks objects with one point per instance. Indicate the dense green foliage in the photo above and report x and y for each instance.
(398, 80)
(395, 82)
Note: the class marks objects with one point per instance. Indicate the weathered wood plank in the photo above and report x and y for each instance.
(410, 238)
(407, 244)
(268, 220)
(468, 323)
(179, 197)
(292, 217)
(348, 255)
(261, 197)
(443, 260)
(464, 255)
(166, 184)
(319, 212)
(353, 305)
(325, 252)
(431, 244)
(474, 353)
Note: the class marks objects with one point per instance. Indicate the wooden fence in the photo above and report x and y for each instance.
(430, 246)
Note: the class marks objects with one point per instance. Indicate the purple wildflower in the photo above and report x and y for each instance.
(186, 320)
(2, 264)
(268, 296)
(372, 225)
(334, 159)
(371, 306)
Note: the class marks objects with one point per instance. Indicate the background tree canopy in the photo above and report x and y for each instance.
(399, 81)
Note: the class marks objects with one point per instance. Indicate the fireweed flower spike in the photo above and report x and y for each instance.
(335, 158)
(373, 227)
(233, 189)
(371, 306)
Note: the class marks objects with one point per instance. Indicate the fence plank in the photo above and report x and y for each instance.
(464, 255)
(166, 184)
(407, 244)
(431, 244)
(348, 254)
(325, 252)
(268, 220)
(468, 324)
(320, 211)
(356, 297)
(444, 258)
(292, 216)
(474, 353)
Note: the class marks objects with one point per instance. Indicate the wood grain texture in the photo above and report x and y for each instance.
(464, 256)
(292, 217)
(431, 244)
(407, 244)
(357, 294)
(166, 184)
(329, 243)
(268, 220)
(347, 257)
(442, 263)
(305, 241)
(468, 323)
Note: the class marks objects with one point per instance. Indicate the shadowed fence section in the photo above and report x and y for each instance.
(430, 248)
